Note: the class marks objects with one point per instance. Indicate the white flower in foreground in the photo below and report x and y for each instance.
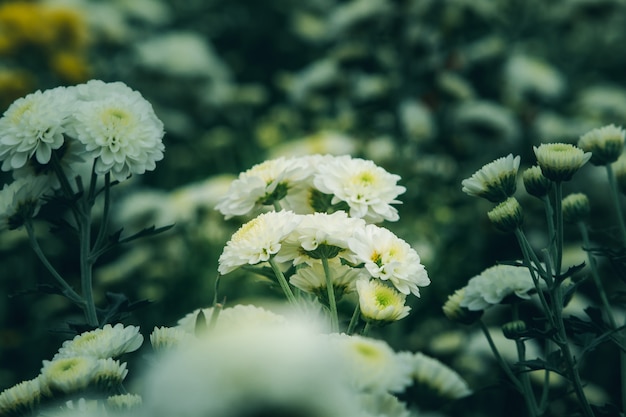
(33, 126)
(118, 128)
(266, 183)
(21, 200)
(20, 399)
(320, 235)
(124, 402)
(438, 377)
(250, 369)
(495, 284)
(257, 240)
(389, 258)
(232, 317)
(495, 181)
(379, 302)
(366, 188)
(107, 342)
(371, 364)
(383, 404)
(312, 279)
(67, 375)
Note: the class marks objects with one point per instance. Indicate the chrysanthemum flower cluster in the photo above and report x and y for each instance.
(321, 230)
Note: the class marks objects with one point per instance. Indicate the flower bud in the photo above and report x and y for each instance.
(575, 208)
(560, 161)
(507, 216)
(535, 183)
(605, 144)
(495, 181)
(514, 329)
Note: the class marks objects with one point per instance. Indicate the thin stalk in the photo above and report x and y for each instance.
(332, 302)
(68, 291)
(366, 329)
(558, 213)
(505, 367)
(616, 203)
(355, 318)
(86, 273)
(547, 205)
(282, 281)
(529, 396)
(105, 214)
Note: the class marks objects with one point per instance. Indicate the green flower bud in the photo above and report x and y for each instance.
(575, 208)
(560, 161)
(495, 181)
(535, 183)
(605, 144)
(514, 329)
(507, 216)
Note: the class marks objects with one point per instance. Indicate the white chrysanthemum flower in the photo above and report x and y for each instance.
(124, 402)
(320, 235)
(366, 188)
(371, 364)
(21, 200)
(530, 75)
(495, 284)
(438, 377)
(109, 374)
(257, 240)
(107, 342)
(118, 128)
(319, 143)
(379, 302)
(560, 161)
(164, 338)
(235, 316)
(68, 374)
(34, 126)
(266, 183)
(383, 404)
(495, 181)
(21, 399)
(605, 144)
(312, 279)
(251, 369)
(389, 258)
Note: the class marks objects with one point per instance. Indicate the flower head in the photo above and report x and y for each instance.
(560, 161)
(311, 278)
(387, 257)
(67, 375)
(535, 183)
(453, 310)
(367, 189)
(495, 284)
(380, 303)
(118, 128)
(257, 240)
(165, 338)
(20, 399)
(124, 402)
(34, 126)
(605, 144)
(507, 216)
(107, 342)
(495, 181)
(438, 377)
(109, 374)
(264, 184)
(233, 317)
(21, 200)
(575, 208)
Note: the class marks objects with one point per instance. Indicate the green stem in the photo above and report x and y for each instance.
(332, 302)
(616, 203)
(105, 216)
(505, 367)
(550, 222)
(558, 212)
(366, 329)
(282, 281)
(86, 273)
(68, 291)
(529, 396)
(355, 318)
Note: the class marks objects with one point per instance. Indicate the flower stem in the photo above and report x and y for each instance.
(505, 367)
(86, 273)
(332, 302)
(355, 318)
(282, 281)
(558, 212)
(616, 203)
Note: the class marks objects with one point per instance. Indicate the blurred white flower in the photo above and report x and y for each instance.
(266, 183)
(124, 402)
(371, 365)
(311, 278)
(383, 404)
(495, 181)
(118, 128)
(67, 374)
(21, 399)
(417, 120)
(106, 342)
(257, 240)
(233, 317)
(21, 200)
(438, 376)
(486, 116)
(366, 188)
(495, 284)
(603, 102)
(530, 75)
(605, 144)
(250, 369)
(164, 338)
(34, 126)
(322, 142)
(379, 302)
(389, 258)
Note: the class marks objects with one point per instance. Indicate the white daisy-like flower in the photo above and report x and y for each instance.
(21, 200)
(367, 189)
(560, 161)
(438, 376)
(383, 404)
(495, 181)
(21, 399)
(107, 342)
(320, 235)
(67, 375)
(379, 302)
(257, 240)
(371, 364)
(34, 126)
(164, 338)
(118, 128)
(264, 184)
(605, 144)
(311, 278)
(251, 369)
(235, 316)
(495, 284)
(109, 374)
(389, 258)
(124, 402)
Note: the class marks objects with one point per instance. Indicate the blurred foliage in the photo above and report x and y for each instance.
(429, 89)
